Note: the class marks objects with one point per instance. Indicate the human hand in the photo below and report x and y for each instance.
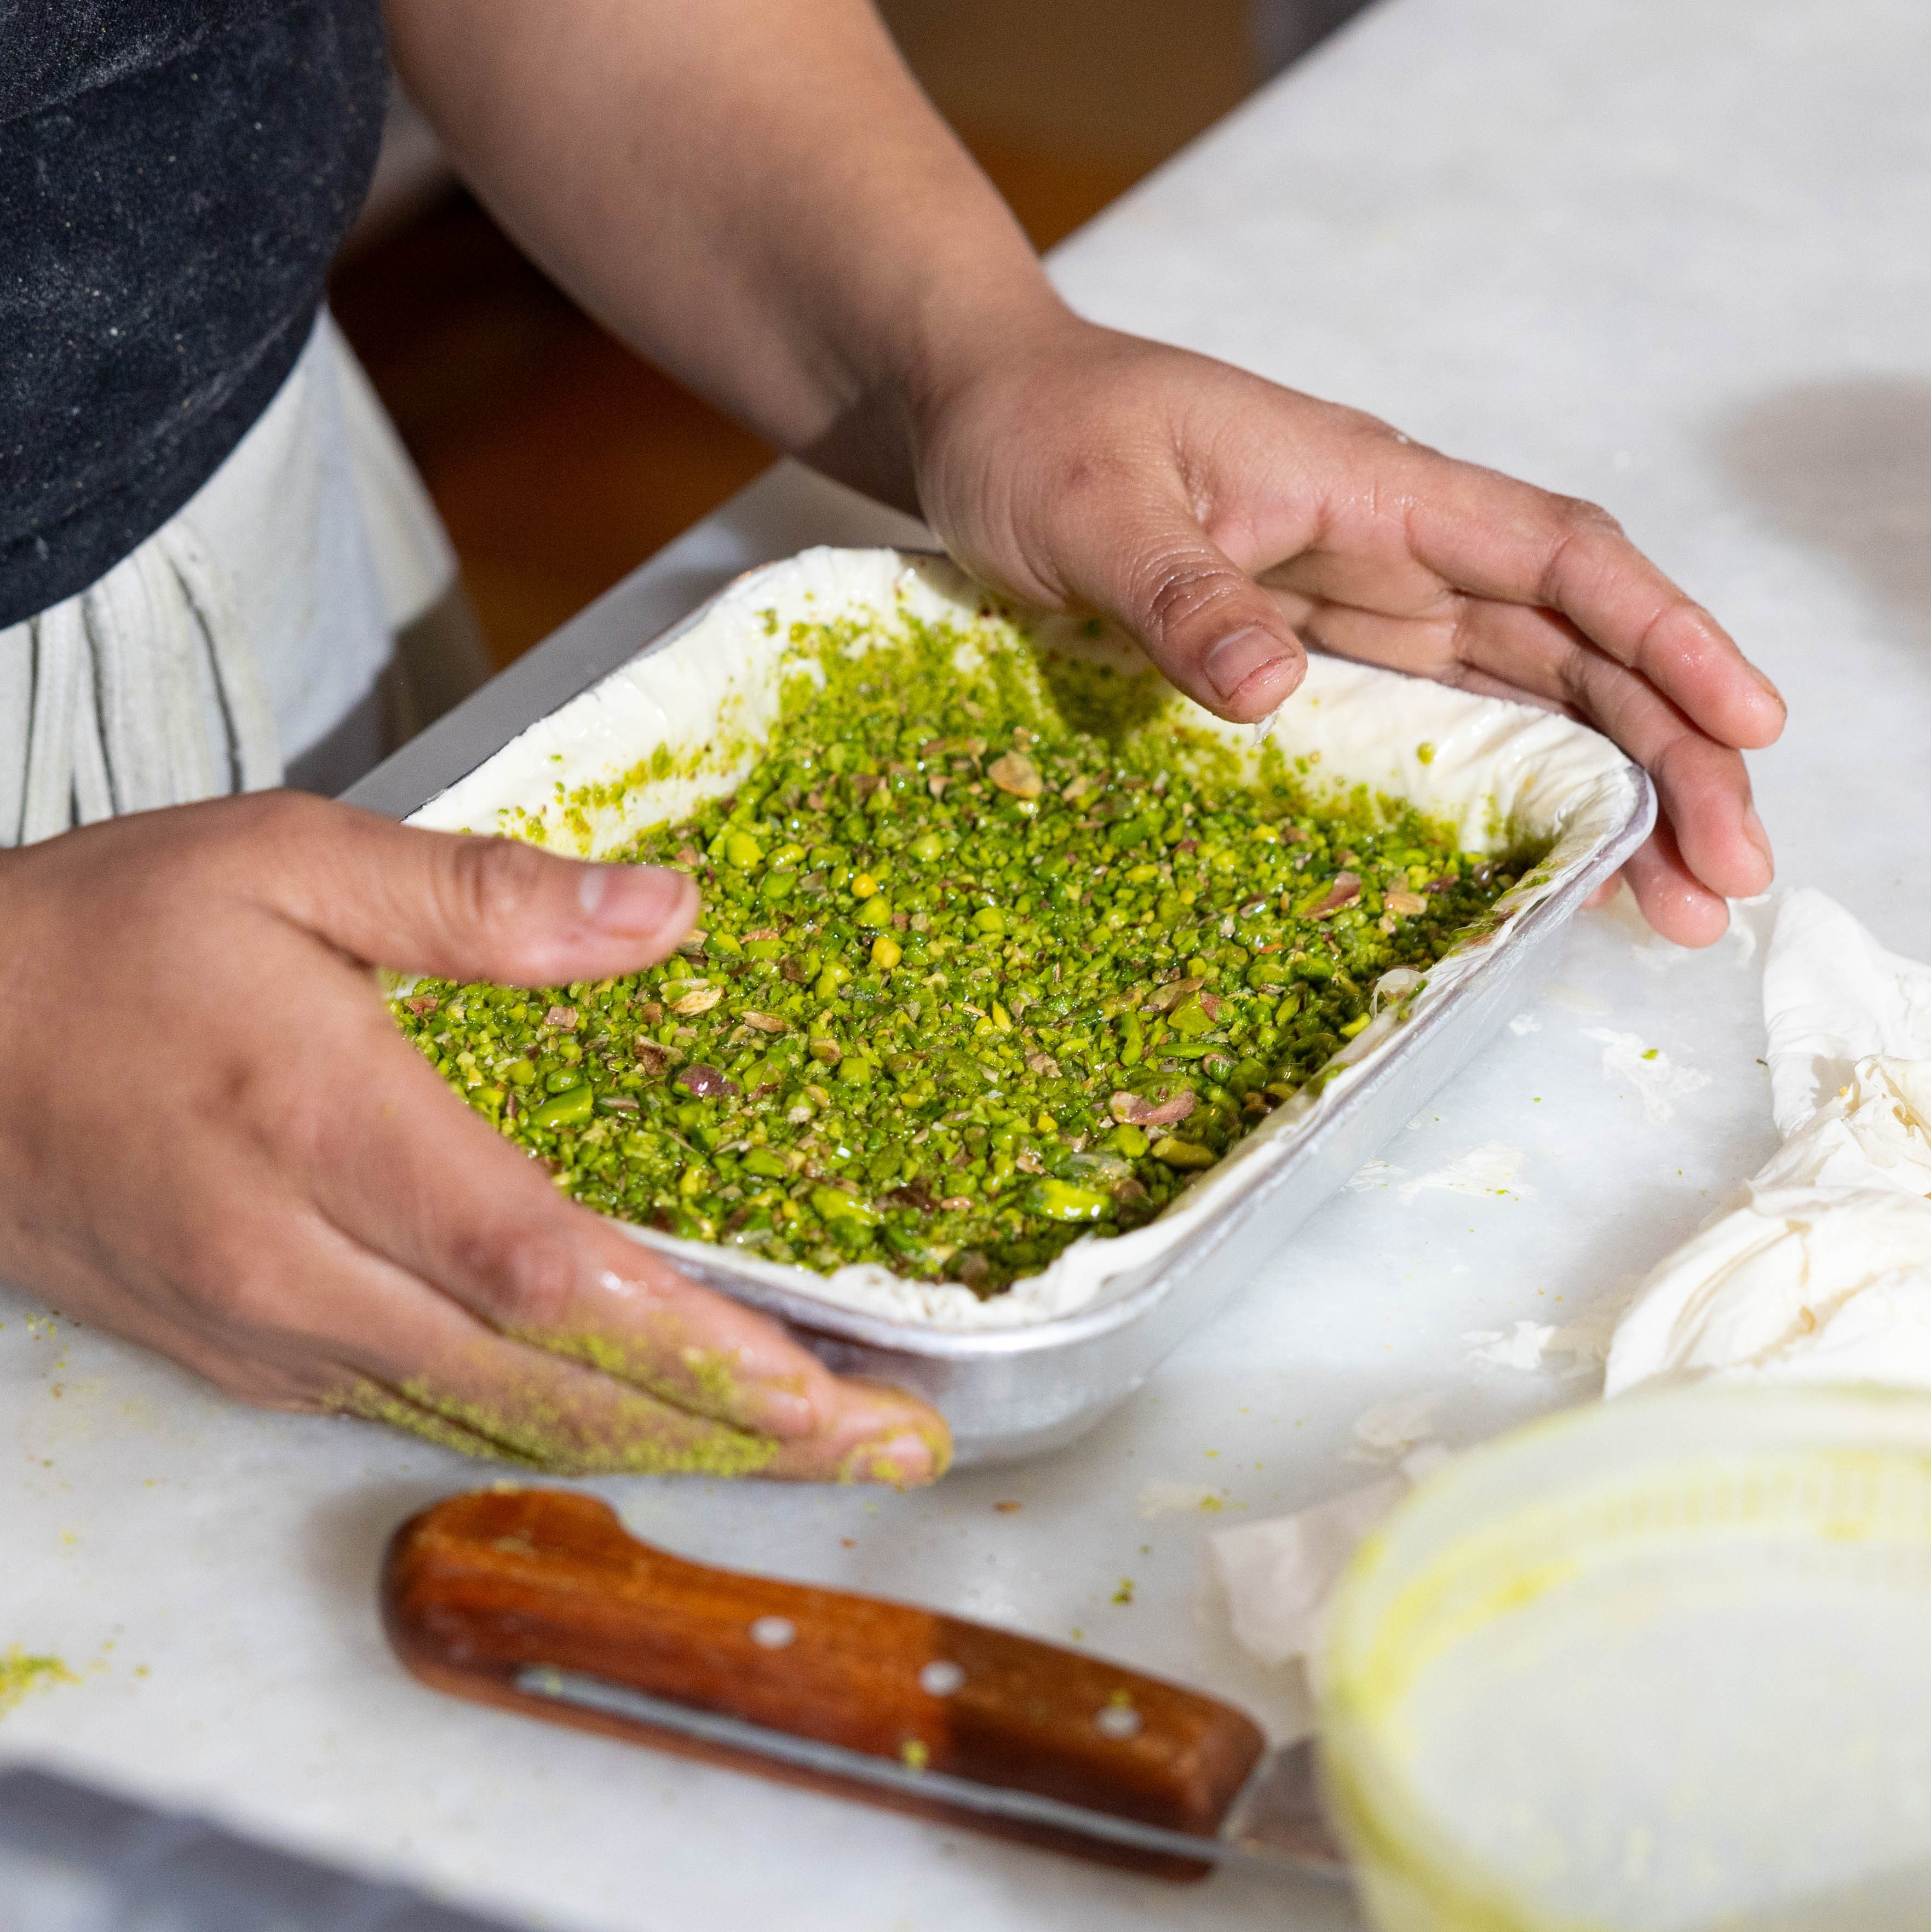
(1224, 519)
(215, 1141)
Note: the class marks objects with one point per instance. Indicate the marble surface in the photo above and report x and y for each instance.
(1668, 254)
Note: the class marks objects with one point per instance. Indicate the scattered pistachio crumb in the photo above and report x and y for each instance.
(22, 1674)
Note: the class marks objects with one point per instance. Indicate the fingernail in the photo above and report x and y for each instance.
(1769, 689)
(781, 1413)
(1754, 832)
(1232, 661)
(905, 1458)
(636, 901)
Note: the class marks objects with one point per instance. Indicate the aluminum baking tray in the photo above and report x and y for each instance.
(1010, 1393)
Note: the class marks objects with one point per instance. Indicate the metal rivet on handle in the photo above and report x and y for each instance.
(773, 1633)
(940, 1677)
(1118, 1721)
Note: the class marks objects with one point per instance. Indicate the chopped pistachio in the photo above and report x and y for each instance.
(948, 1016)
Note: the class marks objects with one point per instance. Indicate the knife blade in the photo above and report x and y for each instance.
(1274, 1820)
(539, 1600)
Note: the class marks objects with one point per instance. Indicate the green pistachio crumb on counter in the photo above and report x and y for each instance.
(992, 960)
(22, 1674)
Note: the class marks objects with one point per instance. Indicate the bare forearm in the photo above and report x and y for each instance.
(753, 193)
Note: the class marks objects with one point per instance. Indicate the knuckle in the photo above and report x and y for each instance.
(491, 882)
(1578, 516)
(1180, 593)
(1373, 429)
(224, 843)
(1575, 527)
(246, 1292)
(1575, 668)
(535, 1276)
(280, 817)
(270, 1386)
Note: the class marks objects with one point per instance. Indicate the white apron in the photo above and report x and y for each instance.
(239, 635)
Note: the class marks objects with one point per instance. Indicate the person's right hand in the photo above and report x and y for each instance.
(215, 1141)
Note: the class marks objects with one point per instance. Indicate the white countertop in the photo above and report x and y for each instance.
(1671, 254)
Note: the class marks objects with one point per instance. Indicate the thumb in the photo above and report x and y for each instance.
(463, 907)
(1216, 633)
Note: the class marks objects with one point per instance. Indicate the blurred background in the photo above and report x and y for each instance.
(558, 459)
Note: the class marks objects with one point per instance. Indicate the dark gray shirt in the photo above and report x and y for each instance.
(174, 177)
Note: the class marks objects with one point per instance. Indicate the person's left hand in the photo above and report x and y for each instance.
(1224, 519)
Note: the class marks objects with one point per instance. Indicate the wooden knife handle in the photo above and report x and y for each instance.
(483, 1585)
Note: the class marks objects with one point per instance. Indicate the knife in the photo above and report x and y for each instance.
(539, 1601)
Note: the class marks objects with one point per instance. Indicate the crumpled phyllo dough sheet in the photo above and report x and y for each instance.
(1819, 1268)
(1498, 773)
